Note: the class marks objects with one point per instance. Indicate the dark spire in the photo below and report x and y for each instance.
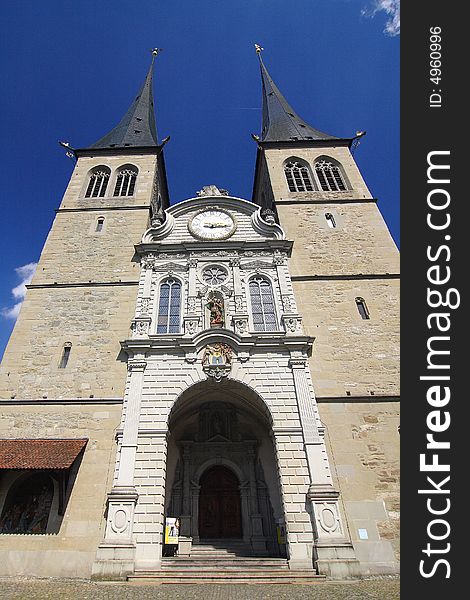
(280, 122)
(137, 127)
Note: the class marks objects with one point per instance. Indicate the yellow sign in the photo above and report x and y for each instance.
(281, 534)
(171, 530)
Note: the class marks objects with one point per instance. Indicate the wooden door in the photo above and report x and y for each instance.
(219, 505)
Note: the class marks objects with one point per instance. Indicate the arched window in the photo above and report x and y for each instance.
(28, 505)
(125, 182)
(330, 220)
(169, 307)
(298, 176)
(99, 224)
(362, 308)
(262, 304)
(329, 175)
(98, 182)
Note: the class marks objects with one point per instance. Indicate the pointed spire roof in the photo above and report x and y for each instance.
(137, 127)
(280, 122)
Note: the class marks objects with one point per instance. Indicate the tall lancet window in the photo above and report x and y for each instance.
(98, 182)
(298, 176)
(125, 182)
(329, 176)
(169, 307)
(262, 304)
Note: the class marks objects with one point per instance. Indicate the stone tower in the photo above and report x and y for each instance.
(63, 373)
(228, 364)
(82, 297)
(345, 274)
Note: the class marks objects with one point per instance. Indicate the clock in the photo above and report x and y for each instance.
(212, 224)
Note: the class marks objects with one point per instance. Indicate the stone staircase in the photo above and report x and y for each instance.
(224, 561)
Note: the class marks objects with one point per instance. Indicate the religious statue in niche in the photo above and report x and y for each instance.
(216, 360)
(215, 306)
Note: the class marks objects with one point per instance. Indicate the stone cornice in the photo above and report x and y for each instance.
(227, 246)
(55, 401)
(102, 208)
(347, 276)
(190, 346)
(39, 286)
(332, 200)
(370, 399)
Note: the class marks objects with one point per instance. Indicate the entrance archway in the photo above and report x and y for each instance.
(227, 426)
(219, 504)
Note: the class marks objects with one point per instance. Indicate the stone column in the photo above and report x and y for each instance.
(258, 540)
(240, 317)
(291, 319)
(334, 552)
(191, 321)
(116, 554)
(185, 517)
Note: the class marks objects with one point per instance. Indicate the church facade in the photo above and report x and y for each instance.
(228, 363)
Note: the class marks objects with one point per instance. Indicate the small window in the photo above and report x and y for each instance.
(329, 175)
(362, 308)
(98, 182)
(298, 176)
(65, 355)
(99, 224)
(125, 182)
(330, 220)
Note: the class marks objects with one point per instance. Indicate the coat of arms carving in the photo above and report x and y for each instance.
(217, 360)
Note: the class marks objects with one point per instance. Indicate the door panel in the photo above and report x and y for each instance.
(219, 505)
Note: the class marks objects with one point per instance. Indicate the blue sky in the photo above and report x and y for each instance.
(71, 68)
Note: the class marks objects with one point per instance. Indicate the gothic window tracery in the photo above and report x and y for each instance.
(298, 176)
(98, 182)
(262, 304)
(169, 307)
(214, 275)
(329, 175)
(125, 182)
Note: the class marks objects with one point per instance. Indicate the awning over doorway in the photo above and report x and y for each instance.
(40, 453)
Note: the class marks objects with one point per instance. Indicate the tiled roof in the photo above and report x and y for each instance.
(40, 453)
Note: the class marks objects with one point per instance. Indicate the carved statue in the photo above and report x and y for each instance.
(216, 310)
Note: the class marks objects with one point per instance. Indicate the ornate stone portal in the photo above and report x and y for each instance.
(200, 496)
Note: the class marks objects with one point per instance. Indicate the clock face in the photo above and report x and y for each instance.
(212, 224)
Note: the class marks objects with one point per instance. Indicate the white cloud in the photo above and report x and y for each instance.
(392, 10)
(25, 273)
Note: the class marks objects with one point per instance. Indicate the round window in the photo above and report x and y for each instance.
(214, 275)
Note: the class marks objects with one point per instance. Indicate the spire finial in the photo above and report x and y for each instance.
(155, 51)
(258, 49)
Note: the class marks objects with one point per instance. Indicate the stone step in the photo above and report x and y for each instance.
(189, 565)
(217, 576)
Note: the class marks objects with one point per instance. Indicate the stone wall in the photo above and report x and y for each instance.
(351, 355)
(93, 319)
(70, 552)
(363, 444)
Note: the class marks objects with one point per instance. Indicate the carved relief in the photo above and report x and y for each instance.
(216, 360)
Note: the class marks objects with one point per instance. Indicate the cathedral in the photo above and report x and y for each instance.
(208, 386)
